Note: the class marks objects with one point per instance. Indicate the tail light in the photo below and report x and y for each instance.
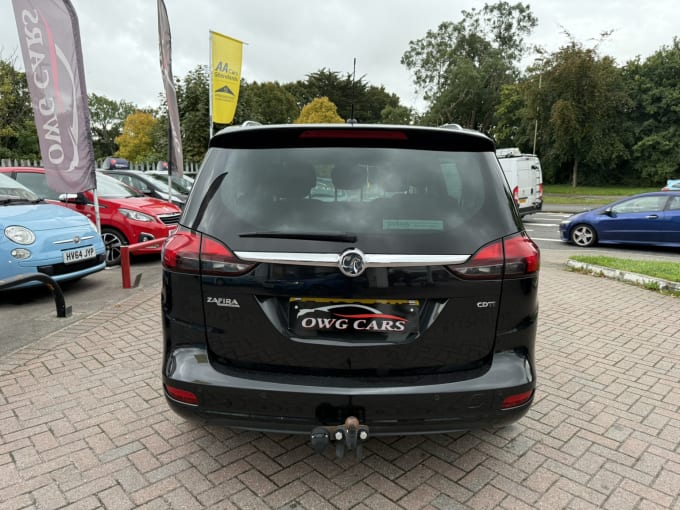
(515, 195)
(512, 257)
(516, 400)
(184, 396)
(190, 252)
(540, 190)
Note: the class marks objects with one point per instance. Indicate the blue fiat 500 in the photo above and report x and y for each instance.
(37, 237)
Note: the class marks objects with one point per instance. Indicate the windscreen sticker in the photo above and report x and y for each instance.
(413, 225)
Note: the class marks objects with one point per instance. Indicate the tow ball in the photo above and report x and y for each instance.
(349, 436)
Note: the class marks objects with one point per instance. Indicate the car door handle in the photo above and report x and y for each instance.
(652, 217)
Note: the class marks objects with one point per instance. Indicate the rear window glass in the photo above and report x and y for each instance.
(386, 195)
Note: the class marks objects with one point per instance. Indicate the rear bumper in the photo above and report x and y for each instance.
(536, 207)
(297, 405)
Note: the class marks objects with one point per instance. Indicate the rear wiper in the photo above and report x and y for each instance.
(345, 237)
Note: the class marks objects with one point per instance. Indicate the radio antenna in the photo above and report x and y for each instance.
(354, 73)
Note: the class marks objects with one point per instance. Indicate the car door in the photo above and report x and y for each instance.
(637, 220)
(671, 221)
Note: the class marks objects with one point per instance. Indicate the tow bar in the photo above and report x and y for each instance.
(349, 436)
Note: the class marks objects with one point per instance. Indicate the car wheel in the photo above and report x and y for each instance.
(583, 235)
(113, 240)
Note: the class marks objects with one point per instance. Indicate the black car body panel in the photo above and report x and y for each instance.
(322, 272)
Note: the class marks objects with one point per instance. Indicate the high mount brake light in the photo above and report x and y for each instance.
(189, 252)
(512, 257)
(374, 134)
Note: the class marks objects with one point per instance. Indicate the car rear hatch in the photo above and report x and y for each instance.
(350, 252)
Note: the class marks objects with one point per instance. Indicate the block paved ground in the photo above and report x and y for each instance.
(83, 424)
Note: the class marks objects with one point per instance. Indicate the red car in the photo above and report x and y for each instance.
(126, 216)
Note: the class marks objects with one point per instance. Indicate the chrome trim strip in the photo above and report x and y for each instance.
(66, 241)
(332, 259)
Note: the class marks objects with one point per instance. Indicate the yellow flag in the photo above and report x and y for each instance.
(226, 76)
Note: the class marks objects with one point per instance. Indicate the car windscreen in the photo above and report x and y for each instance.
(178, 185)
(111, 188)
(9, 188)
(394, 200)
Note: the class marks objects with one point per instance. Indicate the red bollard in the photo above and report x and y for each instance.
(125, 252)
(125, 265)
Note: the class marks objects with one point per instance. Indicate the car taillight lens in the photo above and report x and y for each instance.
(515, 194)
(513, 257)
(540, 190)
(516, 400)
(184, 396)
(189, 252)
(522, 256)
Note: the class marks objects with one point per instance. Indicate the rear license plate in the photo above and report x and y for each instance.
(391, 320)
(79, 254)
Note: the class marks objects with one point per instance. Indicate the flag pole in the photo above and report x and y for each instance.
(96, 211)
(210, 94)
(170, 159)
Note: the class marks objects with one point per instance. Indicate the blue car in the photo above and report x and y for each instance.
(37, 237)
(649, 218)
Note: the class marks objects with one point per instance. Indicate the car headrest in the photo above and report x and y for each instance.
(391, 181)
(349, 177)
(291, 181)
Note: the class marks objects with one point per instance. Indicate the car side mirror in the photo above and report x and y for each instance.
(609, 212)
(73, 198)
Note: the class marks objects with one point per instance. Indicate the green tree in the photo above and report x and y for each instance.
(461, 67)
(396, 115)
(354, 98)
(584, 105)
(106, 122)
(515, 121)
(654, 85)
(320, 111)
(136, 141)
(267, 103)
(193, 100)
(18, 135)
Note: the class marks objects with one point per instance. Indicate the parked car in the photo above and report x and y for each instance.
(672, 185)
(648, 218)
(38, 237)
(182, 183)
(402, 300)
(112, 163)
(151, 185)
(126, 215)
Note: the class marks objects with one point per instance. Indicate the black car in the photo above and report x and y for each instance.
(152, 184)
(345, 281)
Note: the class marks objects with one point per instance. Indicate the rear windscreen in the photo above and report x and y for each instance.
(387, 197)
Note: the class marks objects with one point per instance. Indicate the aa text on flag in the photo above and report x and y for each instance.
(226, 56)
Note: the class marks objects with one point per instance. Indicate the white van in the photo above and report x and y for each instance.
(524, 175)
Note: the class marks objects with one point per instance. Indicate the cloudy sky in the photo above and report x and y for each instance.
(288, 39)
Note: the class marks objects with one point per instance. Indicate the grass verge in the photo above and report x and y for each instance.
(563, 194)
(664, 270)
